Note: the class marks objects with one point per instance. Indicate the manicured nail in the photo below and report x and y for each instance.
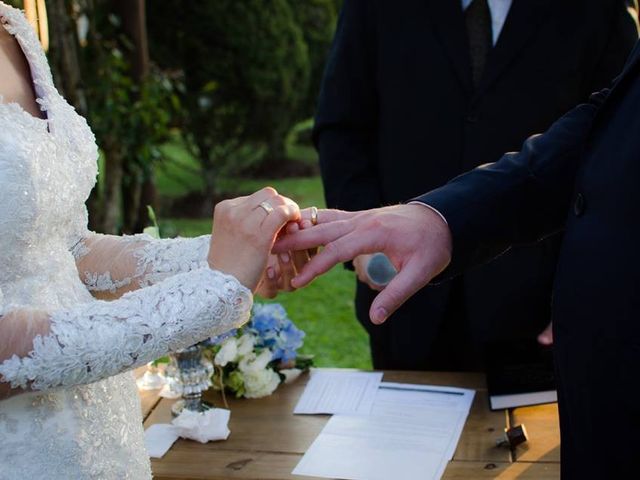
(284, 257)
(380, 315)
(271, 274)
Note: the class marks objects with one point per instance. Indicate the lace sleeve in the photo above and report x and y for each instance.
(98, 339)
(111, 265)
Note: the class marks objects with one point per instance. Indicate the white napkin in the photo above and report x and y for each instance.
(203, 427)
(158, 439)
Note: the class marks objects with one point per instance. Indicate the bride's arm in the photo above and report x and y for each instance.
(110, 265)
(94, 340)
(41, 351)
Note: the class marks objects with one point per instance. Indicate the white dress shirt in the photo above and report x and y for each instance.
(499, 11)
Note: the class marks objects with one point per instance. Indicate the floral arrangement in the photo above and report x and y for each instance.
(253, 360)
(250, 361)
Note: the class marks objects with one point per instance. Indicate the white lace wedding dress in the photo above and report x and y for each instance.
(79, 416)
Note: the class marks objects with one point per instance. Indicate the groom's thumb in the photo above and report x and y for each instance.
(407, 282)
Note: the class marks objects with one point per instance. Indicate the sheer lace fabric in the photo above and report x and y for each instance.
(98, 339)
(80, 416)
(112, 265)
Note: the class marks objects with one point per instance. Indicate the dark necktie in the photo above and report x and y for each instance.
(477, 16)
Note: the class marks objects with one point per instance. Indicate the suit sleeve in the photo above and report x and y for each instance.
(346, 120)
(522, 198)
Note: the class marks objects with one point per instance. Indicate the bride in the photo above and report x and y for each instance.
(68, 402)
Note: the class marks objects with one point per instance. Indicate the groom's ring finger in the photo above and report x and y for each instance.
(314, 221)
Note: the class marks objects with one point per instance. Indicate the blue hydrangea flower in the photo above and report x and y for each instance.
(276, 331)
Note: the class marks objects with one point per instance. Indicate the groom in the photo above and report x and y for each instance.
(581, 176)
(417, 92)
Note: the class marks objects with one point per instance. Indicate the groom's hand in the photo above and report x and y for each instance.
(414, 237)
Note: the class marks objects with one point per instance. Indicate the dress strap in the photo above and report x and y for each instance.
(17, 25)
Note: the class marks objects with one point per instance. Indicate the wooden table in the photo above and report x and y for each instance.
(267, 440)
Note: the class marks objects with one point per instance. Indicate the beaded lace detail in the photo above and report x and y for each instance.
(81, 416)
(99, 339)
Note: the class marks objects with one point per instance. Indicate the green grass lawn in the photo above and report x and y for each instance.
(324, 310)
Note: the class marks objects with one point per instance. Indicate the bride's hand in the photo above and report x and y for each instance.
(244, 231)
(277, 276)
(282, 268)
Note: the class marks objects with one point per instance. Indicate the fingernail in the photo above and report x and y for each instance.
(271, 274)
(380, 315)
(284, 257)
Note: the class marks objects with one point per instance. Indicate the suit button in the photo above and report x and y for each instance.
(578, 205)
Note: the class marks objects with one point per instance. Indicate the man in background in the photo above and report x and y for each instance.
(418, 91)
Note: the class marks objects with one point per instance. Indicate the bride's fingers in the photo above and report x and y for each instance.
(287, 270)
(300, 259)
(269, 284)
(278, 218)
(262, 195)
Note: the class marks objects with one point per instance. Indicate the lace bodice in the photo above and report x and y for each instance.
(83, 418)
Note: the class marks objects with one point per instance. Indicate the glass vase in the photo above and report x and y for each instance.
(189, 375)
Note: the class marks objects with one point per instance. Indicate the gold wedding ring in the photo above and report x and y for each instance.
(314, 216)
(266, 207)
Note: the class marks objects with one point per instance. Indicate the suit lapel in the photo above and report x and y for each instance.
(524, 19)
(448, 23)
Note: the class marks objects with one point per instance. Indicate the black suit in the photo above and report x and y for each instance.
(582, 176)
(398, 115)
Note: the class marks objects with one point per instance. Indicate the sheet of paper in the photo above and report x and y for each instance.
(332, 391)
(411, 434)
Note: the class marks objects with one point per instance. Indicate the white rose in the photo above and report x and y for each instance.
(246, 344)
(290, 374)
(255, 363)
(228, 352)
(260, 383)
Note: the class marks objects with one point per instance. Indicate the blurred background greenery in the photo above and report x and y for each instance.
(193, 102)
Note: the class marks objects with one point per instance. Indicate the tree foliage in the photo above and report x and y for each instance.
(248, 70)
(317, 19)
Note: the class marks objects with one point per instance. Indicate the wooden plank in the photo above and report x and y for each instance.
(483, 427)
(501, 471)
(189, 460)
(266, 424)
(543, 428)
(223, 465)
(267, 440)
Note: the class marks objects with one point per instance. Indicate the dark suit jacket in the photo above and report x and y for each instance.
(398, 116)
(582, 176)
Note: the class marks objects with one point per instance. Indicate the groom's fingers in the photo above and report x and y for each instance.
(411, 278)
(312, 237)
(326, 215)
(343, 249)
